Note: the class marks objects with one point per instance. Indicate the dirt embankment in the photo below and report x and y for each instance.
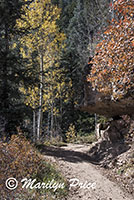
(85, 179)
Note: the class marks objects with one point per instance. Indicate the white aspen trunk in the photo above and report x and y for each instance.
(34, 126)
(40, 99)
(48, 124)
(61, 103)
(52, 119)
(61, 112)
(52, 107)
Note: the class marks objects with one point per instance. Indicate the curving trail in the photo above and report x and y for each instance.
(73, 162)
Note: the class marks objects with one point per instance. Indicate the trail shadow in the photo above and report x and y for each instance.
(104, 152)
(66, 155)
(100, 154)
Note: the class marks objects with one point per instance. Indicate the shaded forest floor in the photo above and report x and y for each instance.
(74, 162)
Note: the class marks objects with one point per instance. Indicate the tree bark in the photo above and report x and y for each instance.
(52, 119)
(48, 124)
(40, 99)
(34, 126)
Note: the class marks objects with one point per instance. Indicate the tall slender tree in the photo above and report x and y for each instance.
(45, 40)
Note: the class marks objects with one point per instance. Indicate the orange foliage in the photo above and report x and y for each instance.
(114, 55)
(19, 160)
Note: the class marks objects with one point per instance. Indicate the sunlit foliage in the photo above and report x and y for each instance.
(18, 159)
(113, 71)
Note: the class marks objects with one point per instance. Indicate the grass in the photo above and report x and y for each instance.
(86, 139)
(46, 173)
(51, 141)
(54, 142)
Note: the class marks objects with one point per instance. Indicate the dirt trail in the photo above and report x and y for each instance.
(74, 163)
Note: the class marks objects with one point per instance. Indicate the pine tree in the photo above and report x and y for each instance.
(12, 72)
(83, 20)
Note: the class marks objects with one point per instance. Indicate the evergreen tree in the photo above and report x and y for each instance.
(83, 20)
(12, 72)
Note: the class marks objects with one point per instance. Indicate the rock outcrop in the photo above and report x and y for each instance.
(95, 102)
